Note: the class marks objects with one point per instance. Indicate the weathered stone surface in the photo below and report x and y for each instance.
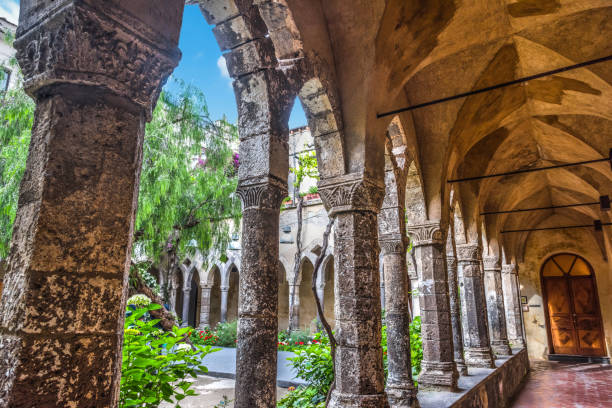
(495, 306)
(512, 305)
(359, 371)
(474, 309)
(455, 311)
(438, 369)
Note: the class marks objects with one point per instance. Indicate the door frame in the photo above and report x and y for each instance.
(545, 301)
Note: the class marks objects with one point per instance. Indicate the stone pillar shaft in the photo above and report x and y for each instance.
(438, 368)
(205, 307)
(400, 386)
(513, 305)
(224, 296)
(258, 298)
(63, 304)
(495, 306)
(473, 304)
(355, 202)
(455, 311)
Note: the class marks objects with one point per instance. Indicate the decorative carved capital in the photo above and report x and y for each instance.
(491, 263)
(511, 268)
(266, 194)
(426, 234)
(390, 244)
(81, 45)
(351, 192)
(451, 261)
(412, 273)
(468, 253)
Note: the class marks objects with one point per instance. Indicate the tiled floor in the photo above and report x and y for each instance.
(563, 385)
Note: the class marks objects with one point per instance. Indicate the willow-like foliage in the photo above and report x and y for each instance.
(187, 194)
(16, 117)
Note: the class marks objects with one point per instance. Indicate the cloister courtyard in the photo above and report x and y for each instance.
(438, 235)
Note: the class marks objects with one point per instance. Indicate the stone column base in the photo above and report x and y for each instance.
(462, 368)
(341, 400)
(518, 343)
(436, 376)
(501, 348)
(402, 396)
(479, 357)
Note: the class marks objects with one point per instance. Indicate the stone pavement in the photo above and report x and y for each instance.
(562, 385)
(222, 364)
(211, 392)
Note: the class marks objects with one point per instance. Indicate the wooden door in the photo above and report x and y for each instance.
(572, 306)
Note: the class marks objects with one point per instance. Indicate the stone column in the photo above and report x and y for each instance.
(455, 311)
(400, 386)
(294, 306)
(204, 307)
(414, 287)
(186, 302)
(495, 306)
(355, 201)
(382, 284)
(95, 74)
(438, 368)
(473, 304)
(224, 295)
(512, 302)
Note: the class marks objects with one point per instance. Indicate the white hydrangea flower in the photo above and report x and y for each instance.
(183, 347)
(139, 300)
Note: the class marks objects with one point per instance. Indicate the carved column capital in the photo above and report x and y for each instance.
(426, 234)
(491, 263)
(82, 44)
(264, 194)
(391, 244)
(351, 192)
(468, 253)
(509, 268)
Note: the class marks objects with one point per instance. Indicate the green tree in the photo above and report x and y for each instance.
(16, 117)
(187, 197)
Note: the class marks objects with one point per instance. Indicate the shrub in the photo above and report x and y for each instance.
(301, 397)
(227, 334)
(313, 364)
(155, 363)
(205, 337)
(416, 346)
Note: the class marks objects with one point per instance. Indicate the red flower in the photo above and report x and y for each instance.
(301, 343)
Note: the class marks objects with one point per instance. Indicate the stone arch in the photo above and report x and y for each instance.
(233, 281)
(308, 309)
(195, 298)
(328, 277)
(214, 283)
(178, 287)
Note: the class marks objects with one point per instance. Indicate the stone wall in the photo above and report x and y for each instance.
(498, 388)
(538, 248)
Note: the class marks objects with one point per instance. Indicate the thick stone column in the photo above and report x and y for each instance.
(186, 302)
(355, 202)
(224, 296)
(400, 386)
(495, 306)
(512, 302)
(94, 73)
(204, 307)
(455, 311)
(473, 304)
(438, 369)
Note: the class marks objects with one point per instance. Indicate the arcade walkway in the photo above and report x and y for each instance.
(562, 385)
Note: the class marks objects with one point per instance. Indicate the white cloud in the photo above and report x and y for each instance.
(9, 9)
(223, 67)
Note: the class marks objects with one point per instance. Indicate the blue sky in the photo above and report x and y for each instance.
(202, 64)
